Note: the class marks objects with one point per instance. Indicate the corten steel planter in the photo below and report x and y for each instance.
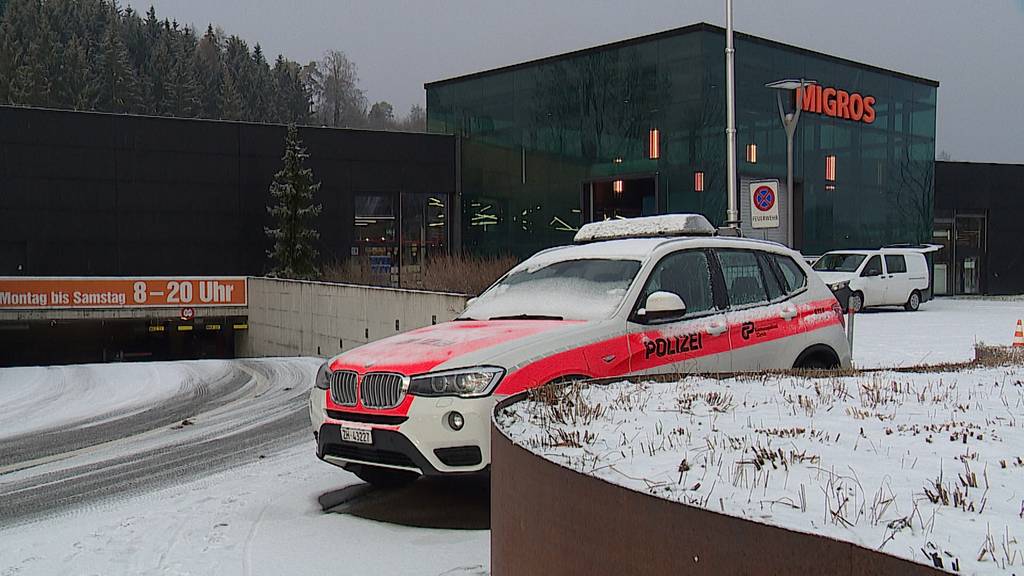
(549, 520)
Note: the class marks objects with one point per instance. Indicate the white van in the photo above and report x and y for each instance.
(890, 276)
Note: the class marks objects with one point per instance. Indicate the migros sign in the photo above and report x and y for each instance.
(836, 103)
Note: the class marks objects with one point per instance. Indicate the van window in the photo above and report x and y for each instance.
(838, 262)
(792, 273)
(873, 267)
(742, 274)
(895, 263)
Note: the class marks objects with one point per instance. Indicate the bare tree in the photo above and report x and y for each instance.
(337, 98)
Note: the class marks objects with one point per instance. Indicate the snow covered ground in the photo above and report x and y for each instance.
(943, 330)
(924, 466)
(99, 475)
(259, 518)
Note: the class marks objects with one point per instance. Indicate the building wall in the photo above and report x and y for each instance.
(535, 133)
(996, 193)
(293, 318)
(102, 194)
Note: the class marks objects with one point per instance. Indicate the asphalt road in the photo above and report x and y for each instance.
(215, 420)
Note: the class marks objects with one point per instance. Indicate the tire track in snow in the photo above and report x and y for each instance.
(256, 408)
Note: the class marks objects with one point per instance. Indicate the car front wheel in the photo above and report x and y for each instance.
(914, 302)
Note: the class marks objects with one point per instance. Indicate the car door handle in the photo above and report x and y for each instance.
(788, 313)
(716, 328)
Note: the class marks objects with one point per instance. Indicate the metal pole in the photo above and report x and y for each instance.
(850, 315)
(789, 186)
(732, 215)
(789, 122)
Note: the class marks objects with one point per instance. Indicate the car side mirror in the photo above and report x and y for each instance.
(470, 301)
(662, 305)
(872, 272)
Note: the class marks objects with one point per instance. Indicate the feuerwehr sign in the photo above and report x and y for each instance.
(764, 204)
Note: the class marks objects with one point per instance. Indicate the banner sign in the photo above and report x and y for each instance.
(24, 293)
(764, 204)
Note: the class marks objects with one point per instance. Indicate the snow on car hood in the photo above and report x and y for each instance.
(422, 350)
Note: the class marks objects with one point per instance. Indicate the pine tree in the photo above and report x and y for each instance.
(231, 105)
(294, 212)
(210, 72)
(118, 84)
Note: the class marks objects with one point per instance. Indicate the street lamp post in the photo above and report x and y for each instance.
(789, 121)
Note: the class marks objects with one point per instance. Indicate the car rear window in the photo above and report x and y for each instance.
(792, 273)
(895, 263)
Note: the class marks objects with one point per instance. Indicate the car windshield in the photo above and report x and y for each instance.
(839, 262)
(587, 289)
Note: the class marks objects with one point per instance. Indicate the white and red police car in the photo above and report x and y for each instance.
(640, 296)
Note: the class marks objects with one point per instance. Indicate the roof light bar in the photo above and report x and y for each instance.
(667, 225)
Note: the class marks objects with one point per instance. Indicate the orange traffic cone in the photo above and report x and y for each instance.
(1018, 336)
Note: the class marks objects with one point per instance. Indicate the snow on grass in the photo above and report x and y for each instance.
(923, 466)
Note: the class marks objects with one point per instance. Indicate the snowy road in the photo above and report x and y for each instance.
(99, 475)
(79, 434)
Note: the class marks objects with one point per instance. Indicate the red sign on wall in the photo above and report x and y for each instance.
(836, 103)
(18, 293)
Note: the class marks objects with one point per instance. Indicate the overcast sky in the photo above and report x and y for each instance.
(975, 49)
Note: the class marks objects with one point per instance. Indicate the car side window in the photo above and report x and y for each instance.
(686, 274)
(743, 280)
(773, 283)
(792, 273)
(895, 263)
(873, 267)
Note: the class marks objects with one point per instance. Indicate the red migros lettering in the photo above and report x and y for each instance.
(869, 111)
(828, 101)
(836, 103)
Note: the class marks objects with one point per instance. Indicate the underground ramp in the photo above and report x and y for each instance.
(447, 503)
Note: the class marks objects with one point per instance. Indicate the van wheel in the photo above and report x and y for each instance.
(856, 301)
(914, 302)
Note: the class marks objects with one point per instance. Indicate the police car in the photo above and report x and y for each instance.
(651, 295)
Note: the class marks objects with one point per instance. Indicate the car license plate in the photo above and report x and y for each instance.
(357, 435)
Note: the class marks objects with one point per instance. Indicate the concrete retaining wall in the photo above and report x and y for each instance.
(295, 318)
(546, 519)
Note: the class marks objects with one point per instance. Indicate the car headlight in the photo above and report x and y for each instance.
(323, 376)
(837, 286)
(465, 382)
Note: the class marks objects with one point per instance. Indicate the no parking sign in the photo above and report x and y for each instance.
(764, 204)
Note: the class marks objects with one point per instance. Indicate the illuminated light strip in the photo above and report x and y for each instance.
(240, 326)
(654, 144)
(213, 326)
(185, 328)
(830, 168)
(156, 328)
(698, 181)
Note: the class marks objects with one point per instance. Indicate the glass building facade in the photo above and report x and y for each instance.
(638, 128)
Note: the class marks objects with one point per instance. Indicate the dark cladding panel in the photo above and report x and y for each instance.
(86, 193)
(995, 191)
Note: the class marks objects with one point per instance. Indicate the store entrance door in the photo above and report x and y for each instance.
(620, 198)
(968, 252)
